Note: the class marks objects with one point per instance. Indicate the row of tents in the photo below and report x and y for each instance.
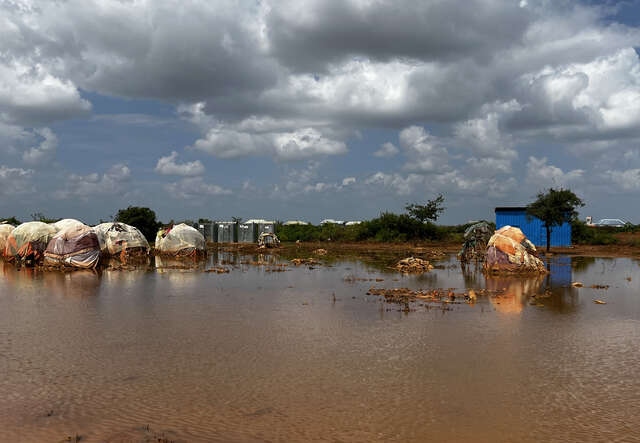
(70, 242)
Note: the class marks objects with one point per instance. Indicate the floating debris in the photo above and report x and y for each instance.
(577, 284)
(305, 261)
(600, 302)
(413, 265)
(599, 286)
(320, 251)
(218, 270)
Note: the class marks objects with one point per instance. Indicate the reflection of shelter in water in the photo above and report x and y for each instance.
(516, 291)
(76, 283)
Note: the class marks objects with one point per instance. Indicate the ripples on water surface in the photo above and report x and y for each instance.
(254, 355)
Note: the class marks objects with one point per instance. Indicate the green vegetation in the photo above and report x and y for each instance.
(429, 212)
(581, 234)
(554, 207)
(388, 227)
(39, 216)
(142, 218)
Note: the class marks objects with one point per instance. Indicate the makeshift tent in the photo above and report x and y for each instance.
(180, 240)
(28, 241)
(76, 245)
(66, 223)
(5, 231)
(509, 251)
(476, 238)
(114, 238)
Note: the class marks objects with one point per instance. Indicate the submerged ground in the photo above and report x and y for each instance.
(268, 352)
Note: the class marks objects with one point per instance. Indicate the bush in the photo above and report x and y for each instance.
(589, 235)
(142, 218)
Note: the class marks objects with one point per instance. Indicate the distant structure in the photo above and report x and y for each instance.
(296, 223)
(352, 223)
(330, 221)
(533, 228)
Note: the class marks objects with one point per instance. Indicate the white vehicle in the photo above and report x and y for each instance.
(611, 222)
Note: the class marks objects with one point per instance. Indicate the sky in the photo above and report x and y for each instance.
(314, 109)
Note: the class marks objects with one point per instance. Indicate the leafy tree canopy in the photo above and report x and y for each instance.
(430, 211)
(554, 207)
(142, 218)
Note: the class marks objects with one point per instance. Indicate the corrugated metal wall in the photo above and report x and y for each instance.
(534, 229)
(246, 233)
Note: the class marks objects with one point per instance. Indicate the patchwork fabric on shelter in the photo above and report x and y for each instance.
(509, 251)
(28, 241)
(76, 245)
(180, 240)
(114, 238)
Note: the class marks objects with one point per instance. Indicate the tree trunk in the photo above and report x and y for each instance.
(548, 228)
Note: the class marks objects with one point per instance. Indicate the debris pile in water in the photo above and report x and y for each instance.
(305, 261)
(320, 251)
(413, 265)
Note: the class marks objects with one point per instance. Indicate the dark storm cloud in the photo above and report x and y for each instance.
(306, 36)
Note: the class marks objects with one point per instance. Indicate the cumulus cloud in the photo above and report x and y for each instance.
(194, 188)
(543, 174)
(168, 166)
(268, 136)
(425, 151)
(15, 181)
(45, 150)
(295, 80)
(114, 181)
(628, 180)
(387, 149)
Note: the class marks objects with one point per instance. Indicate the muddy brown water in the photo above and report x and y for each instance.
(306, 355)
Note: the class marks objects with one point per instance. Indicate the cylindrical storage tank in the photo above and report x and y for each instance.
(266, 227)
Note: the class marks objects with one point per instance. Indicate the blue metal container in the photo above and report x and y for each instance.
(533, 228)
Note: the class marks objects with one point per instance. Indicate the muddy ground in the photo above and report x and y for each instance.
(428, 250)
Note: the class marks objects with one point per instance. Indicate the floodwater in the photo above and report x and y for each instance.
(306, 355)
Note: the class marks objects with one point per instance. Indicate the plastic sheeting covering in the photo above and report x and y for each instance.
(66, 223)
(76, 245)
(182, 239)
(5, 231)
(509, 251)
(476, 238)
(114, 237)
(29, 240)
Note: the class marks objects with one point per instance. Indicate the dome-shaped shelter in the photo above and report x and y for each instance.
(76, 245)
(114, 238)
(28, 241)
(509, 251)
(66, 223)
(5, 231)
(180, 240)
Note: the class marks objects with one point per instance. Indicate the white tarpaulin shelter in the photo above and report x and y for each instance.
(66, 223)
(114, 237)
(182, 239)
(5, 231)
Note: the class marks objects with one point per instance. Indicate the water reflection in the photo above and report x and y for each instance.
(307, 355)
(513, 292)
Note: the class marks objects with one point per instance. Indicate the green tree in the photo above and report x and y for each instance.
(430, 211)
(554, 207)
(142, 218)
